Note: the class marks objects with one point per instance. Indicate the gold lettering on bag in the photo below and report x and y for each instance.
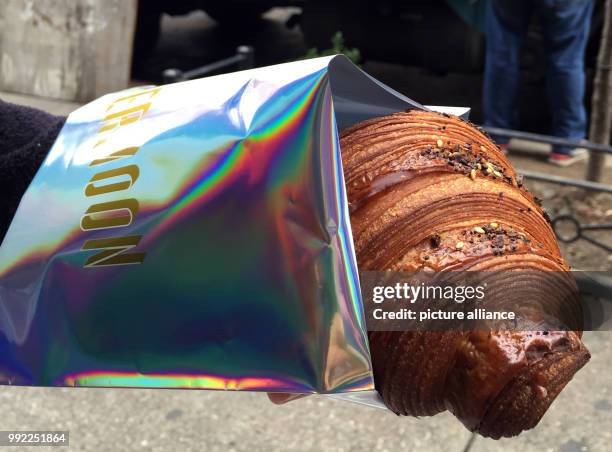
(119, 213)
(128, 115)
(113, 251)
(94, 217)
(131, 171)
(127, 152)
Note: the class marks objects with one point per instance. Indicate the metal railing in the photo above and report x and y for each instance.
(243, 59)
(594, 147)
(563, 221)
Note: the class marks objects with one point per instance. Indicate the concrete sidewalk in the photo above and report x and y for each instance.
(172, 420)
(53, 106)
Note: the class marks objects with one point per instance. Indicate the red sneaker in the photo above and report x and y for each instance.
(559, 159)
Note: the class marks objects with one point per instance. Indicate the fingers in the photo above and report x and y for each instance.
(280, 398)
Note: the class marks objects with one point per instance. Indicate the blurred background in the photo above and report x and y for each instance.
(58, 54)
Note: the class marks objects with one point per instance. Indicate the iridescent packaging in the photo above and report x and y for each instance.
(195, 235)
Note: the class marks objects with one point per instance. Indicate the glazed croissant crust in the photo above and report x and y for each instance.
(419, 183)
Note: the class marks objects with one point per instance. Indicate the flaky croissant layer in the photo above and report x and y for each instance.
(431, 191)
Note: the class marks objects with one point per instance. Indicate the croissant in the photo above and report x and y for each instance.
(419, 184)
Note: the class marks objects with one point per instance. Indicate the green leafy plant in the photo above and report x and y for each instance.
(337, 41)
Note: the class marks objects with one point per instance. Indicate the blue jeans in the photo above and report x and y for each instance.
(565, 27)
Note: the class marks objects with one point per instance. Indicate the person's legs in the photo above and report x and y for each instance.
(506, 26)
(565, 25)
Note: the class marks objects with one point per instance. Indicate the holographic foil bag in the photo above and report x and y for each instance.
(195, 235)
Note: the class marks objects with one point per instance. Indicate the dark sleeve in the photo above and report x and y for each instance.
(26, 136)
